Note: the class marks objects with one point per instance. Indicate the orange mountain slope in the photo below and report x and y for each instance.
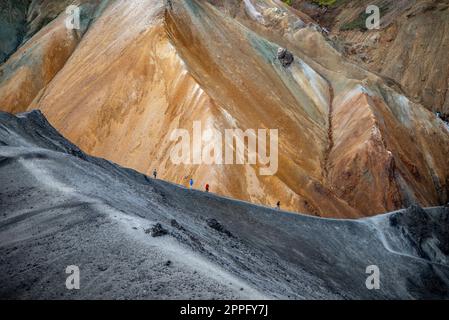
(350, 144)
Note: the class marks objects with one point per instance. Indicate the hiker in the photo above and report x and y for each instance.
(191, 183)
(278, 205)
(155, 174)
(207, 187)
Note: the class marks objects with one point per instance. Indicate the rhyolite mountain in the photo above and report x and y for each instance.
(354, 140)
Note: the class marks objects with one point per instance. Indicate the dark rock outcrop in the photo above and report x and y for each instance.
(157, 231)
(285, 57)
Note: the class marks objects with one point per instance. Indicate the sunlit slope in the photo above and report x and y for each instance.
(135, 99)
(46, 46)
(381, 151)
(34, 65)
(238, 68)
(349, 145)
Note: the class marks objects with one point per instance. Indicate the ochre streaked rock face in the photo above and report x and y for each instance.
(348, 143)
(34, 66)
(38, 60)
(411, 46)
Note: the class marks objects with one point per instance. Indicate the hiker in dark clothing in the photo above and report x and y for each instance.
(278, 205)
(155, 174)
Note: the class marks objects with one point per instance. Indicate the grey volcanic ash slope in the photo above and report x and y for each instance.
(60, 207)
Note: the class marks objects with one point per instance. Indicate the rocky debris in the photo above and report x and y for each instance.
(157, 230)
(185, 236)
(444, 117)
(285, 57)
(102, 267)
(214, 224)
(175, 224)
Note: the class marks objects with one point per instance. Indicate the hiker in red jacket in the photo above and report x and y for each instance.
(207, 187)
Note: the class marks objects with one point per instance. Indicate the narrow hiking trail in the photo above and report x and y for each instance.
(375, 225)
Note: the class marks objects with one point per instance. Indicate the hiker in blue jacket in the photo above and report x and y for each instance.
(191, 183)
